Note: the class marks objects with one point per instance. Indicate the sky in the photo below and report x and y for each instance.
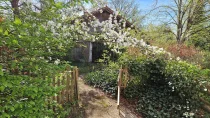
(147, 5)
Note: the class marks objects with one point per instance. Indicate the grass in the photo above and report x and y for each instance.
(85, 67)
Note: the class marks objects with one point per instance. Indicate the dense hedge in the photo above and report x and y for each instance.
(164, 88)
(25, 96)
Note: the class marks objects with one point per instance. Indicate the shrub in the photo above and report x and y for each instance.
(206, 60)
(188, 53)
(164, 88)
(30, 96)
(105, 79)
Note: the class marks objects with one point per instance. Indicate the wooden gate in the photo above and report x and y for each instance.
(68, 80)
(123, 79)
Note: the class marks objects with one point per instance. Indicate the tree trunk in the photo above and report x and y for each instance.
(14, 4)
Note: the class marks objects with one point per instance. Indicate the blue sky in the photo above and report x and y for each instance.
(146, 5)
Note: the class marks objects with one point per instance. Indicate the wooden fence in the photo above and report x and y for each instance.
(68, 80)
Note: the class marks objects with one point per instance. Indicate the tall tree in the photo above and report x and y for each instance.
(129, 9)
(184, 14)
(15, 6)
(201, 33)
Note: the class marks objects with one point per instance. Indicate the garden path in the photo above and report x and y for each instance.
(95, 104)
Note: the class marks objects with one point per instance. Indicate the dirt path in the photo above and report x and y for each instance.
(95, 104)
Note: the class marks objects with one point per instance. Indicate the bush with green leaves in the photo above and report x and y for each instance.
(105, 79)
(32, 42)
(164, 88)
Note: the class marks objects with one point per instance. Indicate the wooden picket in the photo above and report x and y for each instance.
(69, 93)
(123, 79)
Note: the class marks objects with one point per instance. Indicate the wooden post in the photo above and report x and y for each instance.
(63, 90)
(76, 83)
(126, 77)
(119, 85)
(58, 96)
(72, 87)
(54, 95)
(67, 85)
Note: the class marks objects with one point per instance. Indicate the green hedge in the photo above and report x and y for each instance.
(30, 96)
(164, 88)
(105, 79)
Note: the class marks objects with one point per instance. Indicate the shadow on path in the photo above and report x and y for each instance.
(94, 104)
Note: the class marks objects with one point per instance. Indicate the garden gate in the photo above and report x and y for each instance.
(69, 93)
(123, 79)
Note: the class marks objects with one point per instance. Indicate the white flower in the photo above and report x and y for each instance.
(50, 23)
(161, 49)
(191, 114)
(178, 58)
(58, 25)
(205, 89)
(186, 114)
(173, 88)
(63, 17)
(57, 62)
(101, 11)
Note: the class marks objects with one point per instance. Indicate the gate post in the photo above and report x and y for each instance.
(119, 86)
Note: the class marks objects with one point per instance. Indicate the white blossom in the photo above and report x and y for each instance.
(178, 58)
(57, 62)
(205, 89)
(101, 11)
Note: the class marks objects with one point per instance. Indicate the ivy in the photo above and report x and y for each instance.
(165, 88)
(105, 79)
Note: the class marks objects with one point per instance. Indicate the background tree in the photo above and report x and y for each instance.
(201, 30)
(129, 9)
(183, 15)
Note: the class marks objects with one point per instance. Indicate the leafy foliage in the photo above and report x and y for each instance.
(164, 88)
(105, 79)
(31, 45)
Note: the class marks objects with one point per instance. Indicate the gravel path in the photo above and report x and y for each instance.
(95, 104)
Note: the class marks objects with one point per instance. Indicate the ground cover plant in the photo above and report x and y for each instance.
(161, 86)
(165, 88)
(105, 79)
